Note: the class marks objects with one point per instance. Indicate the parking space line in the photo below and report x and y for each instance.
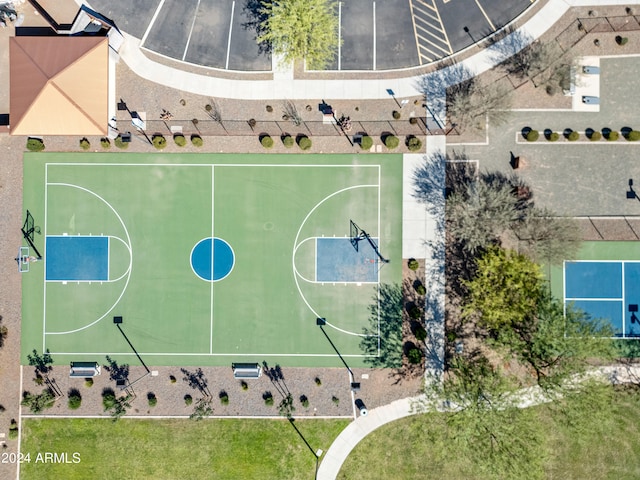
(339, 35)
(486, 16)
(233, 8)
(186, 47)
(153, 20)
(430, 34)
(374, 35)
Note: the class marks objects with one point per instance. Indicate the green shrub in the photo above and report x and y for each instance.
(420, 290)
(553, 137)
(335, 400)
(391, 142)
(268, 398)
(595, 136)
(108, 399)
(105, 143)
(159, 142)
(633, 136)
(266, 141)
(304, 401)
(288, 141)
(573, 136)
(304, 142)
(224, 398)
(415, 356)
(421, 333)
(413, 264)
(13, 430)
(196, 140)
(172, 379)
(75, 400)
(318, 381)
(120, 144)
(88, 382)
(244, 385)
(180, 140)
(85, 144)
(621, 40)
(396, 115)
(152, 399)
(366, 142)
(532, 136)
(612, 136)
(414, 144)
(35, 145)
(188, 400)
(415, 312)
(413, 120)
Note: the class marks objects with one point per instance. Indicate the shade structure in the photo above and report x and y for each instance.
(59, 85)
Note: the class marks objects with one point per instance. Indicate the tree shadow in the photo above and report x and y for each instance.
(276, 375)
(197, 381)
(444, 82)
(253, 11)
(117, 372)
(382, 343)
(510, 50)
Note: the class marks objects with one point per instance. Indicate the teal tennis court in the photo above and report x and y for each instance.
(607, 290)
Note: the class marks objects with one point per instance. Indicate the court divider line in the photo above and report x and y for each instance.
(624, 318)
(190, 354)
(126, 231)
(212, 253)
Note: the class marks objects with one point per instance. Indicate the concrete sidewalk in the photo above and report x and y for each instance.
(357, 430)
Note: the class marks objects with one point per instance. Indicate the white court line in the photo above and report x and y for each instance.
(593, 299)
(190, 354)
(253, 165)
(374, 35)
(624, 317)
(153, 20)
(233, 7)
(44, 277)
(339, 35)
(195, 16)
(212, 243)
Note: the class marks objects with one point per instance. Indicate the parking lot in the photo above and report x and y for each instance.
(374, 34)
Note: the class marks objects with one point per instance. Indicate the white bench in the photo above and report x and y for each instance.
(84, 369)
(246, 370)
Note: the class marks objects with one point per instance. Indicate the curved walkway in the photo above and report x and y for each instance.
(362, 426)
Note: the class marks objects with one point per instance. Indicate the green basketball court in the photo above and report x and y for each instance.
(209, 259)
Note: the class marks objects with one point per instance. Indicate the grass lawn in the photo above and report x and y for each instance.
(170, 449)
(407, 449)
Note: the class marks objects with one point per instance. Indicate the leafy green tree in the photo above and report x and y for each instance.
(505, 290)
(41, 362)
(386, 319)
(38, 403)
(301, 29)
(547, 238)
(502, 441)
(557, 342)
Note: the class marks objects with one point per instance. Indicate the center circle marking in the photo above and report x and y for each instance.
(212, 259)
